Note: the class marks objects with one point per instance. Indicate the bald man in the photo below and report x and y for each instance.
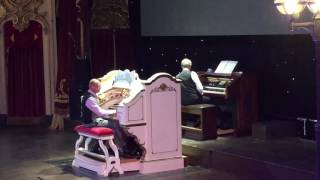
(191, 86)
(90, 106)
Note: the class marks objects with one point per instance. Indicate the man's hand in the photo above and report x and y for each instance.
(111, 111)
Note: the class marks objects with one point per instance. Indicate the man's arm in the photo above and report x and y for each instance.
(196, 80)
(92, 104)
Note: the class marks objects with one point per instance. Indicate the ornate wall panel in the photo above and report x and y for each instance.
(21, 12)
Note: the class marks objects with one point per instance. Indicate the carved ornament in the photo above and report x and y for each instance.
(61, 96)
(21, 12)
(162, 88)
(317, 26)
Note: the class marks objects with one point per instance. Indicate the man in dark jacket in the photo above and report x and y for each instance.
(191, 86)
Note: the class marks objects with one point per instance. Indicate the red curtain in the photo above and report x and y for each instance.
(126, 49)
(24, 56)
(84, 14)
(103, 50)
(67, 47)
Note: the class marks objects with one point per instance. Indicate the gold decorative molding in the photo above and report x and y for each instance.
(110, 14)
(21, 12)
(78, 5)
(61, 96)
(317, 26)
(162, 88)
(3, 12)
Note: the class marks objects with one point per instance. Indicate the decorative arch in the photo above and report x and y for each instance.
(25, 74)
(21, 13)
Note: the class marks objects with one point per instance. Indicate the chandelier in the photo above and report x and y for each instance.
(292, 7)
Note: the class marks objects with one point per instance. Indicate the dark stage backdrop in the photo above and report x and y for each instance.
(284, 66)
(213, 17)
(249, 31)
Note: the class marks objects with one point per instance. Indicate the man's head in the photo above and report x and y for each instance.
(94, 85)
(186, 63)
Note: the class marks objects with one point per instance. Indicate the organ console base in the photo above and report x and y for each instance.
(128, 165)
(161, 165)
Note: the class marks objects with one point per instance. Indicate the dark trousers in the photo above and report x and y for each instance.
(120, 137)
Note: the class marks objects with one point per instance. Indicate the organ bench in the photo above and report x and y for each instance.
(207, 128)
(104, 136)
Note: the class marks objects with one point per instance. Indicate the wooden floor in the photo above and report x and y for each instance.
(37, 153)
(284, 158)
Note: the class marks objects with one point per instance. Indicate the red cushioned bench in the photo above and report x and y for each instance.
(88, 159)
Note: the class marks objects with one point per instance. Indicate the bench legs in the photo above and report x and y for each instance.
(111, 162)
(77, 145)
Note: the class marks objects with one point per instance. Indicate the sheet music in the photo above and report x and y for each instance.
(226, 67)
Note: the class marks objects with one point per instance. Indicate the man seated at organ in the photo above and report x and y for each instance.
(94, 115)
(191, 86)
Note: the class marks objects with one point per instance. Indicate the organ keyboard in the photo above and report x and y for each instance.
(214, 90)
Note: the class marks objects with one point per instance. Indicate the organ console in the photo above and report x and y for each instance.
(238, 90)
(152, 113)
(219, 84)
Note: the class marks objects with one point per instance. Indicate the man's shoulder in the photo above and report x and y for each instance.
(193, 73)
(184, 75)
(87, 95)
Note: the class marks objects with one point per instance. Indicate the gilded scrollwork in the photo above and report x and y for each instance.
(110, 14)
(78, 5)
(3, 12)
(21, 12)
(163, 87)
(61, 96)
(317, 26)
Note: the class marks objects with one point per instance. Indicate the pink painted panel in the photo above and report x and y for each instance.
(164, 122)
(136, 111)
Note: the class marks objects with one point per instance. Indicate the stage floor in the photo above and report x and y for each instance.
(282, 158)
(37, 153)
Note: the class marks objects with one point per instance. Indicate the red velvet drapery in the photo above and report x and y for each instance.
(103, 48)
(126, 49)
(66, 44)
(24, 56)
(102, 51)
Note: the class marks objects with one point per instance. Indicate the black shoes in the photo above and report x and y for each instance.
(98, 150)
(125, 154)
(130, 152)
